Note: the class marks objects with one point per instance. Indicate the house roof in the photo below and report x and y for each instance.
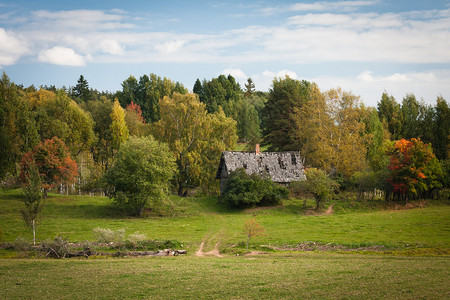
(282, 167)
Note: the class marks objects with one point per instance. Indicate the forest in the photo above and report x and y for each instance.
(154, 137)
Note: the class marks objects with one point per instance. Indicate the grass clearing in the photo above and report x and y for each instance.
(287, 276)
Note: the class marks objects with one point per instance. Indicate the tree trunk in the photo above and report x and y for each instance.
(33, 223)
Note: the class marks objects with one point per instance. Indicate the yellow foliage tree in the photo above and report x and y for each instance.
(196, 138)
(331, 131)
(119, 130)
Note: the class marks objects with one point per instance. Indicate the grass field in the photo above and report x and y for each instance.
(294, 276)
(414, 265)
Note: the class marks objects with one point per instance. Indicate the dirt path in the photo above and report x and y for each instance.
(329, 210)
(214, 252)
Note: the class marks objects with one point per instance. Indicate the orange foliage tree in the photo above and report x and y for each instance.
(53, 161)
(414, 169)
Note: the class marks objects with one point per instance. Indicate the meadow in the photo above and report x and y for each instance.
(410, 258)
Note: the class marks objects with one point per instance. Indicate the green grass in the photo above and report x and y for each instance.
(420, 271)
(202, 218)
(278, 276)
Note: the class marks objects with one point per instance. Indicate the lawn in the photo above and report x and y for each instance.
(275, 276)
(200, 219)
(414, 263)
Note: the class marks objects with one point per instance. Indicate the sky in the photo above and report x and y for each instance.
(366, 47)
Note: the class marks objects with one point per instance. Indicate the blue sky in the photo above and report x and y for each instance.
(363, 46)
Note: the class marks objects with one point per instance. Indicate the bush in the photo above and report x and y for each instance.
(56, 248)
(320, 185)
(104, 235)
(243, 190)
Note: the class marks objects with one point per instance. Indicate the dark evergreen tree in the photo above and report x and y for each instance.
(249, 88)
(285, 96)
(81, 90)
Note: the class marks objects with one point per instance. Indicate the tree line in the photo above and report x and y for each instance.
(332, 129)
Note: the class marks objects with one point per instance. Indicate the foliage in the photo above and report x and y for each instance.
(286, 96)
(331, 132)
(320, 185)
(196, 139)
(243, 190)
(369, 181)
(252, 228)
(119, 130)
(140, 175)
(53, 161)
(147, 92)
(81, 90)
(414, 169)
(105, 235)
(135, 121)
(18, 131)
(58, 115)
(389, 111)
(441, 128)
(33, 198)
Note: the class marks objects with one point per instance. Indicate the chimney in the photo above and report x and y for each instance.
(257, 148)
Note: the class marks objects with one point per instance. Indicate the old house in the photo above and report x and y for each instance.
(282, 167)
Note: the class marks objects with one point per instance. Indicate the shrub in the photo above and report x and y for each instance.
(105, 235)
(243, 190)
(320, 185)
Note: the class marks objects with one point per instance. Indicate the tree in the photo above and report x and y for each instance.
(58, 115)
(222, 92)
(119, 130)
(441, 129)
(140, 175)
(135, 121)
(411, 117)
(81, 90)
(286, 96)
(53, 161)
(147, 93)
(248, 124)
(33, 197)
(320, 185)
(249, 88)
(243, 190)
(331, 133)
(18, 129)
(251, 229)
(196, 138)
(414, 169)
(389, 111)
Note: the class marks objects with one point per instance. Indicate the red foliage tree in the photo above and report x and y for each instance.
(414, 169)
(53, 161)
(137, 109)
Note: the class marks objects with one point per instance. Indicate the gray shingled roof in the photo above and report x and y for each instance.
(282, 167)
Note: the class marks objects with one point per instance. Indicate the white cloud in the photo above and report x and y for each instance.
(11, 48)
(425, 85)
(169, 47)
(111, 47)
(238, 74)
(61, 56)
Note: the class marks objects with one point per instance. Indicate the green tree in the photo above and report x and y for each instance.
(441, 129)
(53, 160)
(389, 111)
(248, 124)
(33, 197)
(102, 148)
(249, 88)
(411, 113)
(147, 93)
(196, 138)
(81, 91)
(320, 185)
(139, 177)
(18, 129)
(58, 115)
(285, 97)
(119, 130)
(222, 92)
